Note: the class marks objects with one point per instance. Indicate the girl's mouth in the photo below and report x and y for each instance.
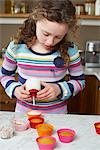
(48, 47)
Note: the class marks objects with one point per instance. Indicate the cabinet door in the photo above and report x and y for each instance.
(98, 100)
(6, 103)
(86, 101)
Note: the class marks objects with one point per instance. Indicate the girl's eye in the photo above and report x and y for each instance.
(45, 34)
(58, 37)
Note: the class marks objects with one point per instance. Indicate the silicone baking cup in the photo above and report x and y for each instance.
(97, 127)
(66, 135)
(46, 142)
(34, 121)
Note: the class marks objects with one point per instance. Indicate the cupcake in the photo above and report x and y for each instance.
(34, 121)
(97, 127)
(21, 123)
(32, 83)
(66, 135)
(46, 142)
(33, 113)
(45, 129)
(33, 86)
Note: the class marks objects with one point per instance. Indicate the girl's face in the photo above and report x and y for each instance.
(50, 33)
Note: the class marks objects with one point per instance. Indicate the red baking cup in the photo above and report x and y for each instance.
(46, 142)
(66, 135)
(33, 92)
(34, 121)
(97, 127)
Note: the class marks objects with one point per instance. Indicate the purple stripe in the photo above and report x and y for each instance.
(42, 107)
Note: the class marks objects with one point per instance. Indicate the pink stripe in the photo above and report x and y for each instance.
(34, 66)
(60, 104)
(79, 84)
(37, 72)
(10, 60)
(75, 65)
(23, 109)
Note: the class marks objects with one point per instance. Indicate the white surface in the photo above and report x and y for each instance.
(12, 20)
(86, 137)
(92, 71)
(84, 22)
(97, 7)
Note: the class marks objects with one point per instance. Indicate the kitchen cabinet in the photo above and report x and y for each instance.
(6, 103)
(98, 103)
(87, 101)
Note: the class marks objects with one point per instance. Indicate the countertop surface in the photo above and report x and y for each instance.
(92, 71)
(87, 71)
(85, 139)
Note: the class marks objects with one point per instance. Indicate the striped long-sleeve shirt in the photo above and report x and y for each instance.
(32, 64)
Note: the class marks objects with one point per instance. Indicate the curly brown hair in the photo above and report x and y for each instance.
(53, 10)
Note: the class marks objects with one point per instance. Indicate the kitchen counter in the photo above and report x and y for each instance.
(92, 71)
(85, 139)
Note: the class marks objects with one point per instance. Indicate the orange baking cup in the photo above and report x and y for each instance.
(34, 121)
(45, 129)
(97, 127)
(33, 113)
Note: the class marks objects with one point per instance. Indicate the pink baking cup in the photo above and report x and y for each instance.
(21, 126)
(46, 142)
(66, 135)
(97, 127)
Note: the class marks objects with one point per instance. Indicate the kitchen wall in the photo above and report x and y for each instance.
(6, 33)
(85, 33)
(88, 33)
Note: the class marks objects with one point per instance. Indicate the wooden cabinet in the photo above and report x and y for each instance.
(98, 102)
(87, 101)
(6, 103)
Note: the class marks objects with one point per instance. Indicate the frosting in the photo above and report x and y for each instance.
(34, 112)
(33, 83)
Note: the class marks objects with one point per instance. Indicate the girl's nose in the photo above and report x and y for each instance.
(50, 41)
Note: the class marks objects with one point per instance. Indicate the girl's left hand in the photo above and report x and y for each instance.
(50, 91)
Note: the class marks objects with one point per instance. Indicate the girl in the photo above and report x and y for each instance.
(42, 49)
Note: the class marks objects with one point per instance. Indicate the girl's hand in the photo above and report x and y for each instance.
(21, 93)
(50, 91)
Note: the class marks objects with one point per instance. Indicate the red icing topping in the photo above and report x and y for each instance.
(33, 92)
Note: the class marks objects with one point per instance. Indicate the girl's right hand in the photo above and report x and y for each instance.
(21, 93)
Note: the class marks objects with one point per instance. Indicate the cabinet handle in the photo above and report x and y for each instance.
(6, 102)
